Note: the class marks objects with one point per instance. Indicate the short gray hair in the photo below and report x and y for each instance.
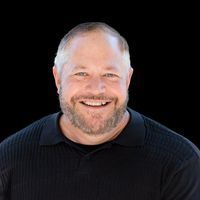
(61, 55)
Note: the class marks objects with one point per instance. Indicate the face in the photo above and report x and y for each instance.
(93, 85)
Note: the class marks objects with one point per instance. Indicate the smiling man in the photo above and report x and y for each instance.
(97, 148)
(92, 85)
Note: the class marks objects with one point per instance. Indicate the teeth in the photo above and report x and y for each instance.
(94, 103)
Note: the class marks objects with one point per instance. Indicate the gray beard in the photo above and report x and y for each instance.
(79, 121)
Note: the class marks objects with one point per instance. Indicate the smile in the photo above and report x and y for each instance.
(95, 103)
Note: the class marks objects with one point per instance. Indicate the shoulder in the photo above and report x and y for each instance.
(169, 142)
(23, 138)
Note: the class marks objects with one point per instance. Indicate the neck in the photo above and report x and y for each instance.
(78, 136)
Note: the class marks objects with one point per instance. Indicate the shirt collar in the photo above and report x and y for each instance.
(51, 133)
(132, 135)
(134, 132)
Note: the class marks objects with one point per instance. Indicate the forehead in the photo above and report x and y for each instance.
(95, 50)
(96, 40)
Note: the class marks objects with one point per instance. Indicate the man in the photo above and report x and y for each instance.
(96, 148)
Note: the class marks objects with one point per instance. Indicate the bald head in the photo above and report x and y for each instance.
(86, 30)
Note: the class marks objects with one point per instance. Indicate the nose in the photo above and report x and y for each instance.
(96, 86)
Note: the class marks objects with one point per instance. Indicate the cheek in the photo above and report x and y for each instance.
(68, 90)
(122, 85)
(119, 90)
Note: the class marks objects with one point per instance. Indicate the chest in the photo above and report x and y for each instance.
(72, 175)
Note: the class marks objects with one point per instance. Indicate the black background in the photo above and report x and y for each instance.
(164, 48)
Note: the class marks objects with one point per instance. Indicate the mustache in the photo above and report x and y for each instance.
(93, 97)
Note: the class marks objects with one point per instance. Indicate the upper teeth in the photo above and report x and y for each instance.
(94, 103)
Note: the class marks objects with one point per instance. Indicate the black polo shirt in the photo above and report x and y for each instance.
(147, 161)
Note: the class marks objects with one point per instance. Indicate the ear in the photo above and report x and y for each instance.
(57, 79)
(130, 73)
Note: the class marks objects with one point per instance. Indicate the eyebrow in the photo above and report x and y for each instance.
(78, 67)
(81, 67)
(110, 68)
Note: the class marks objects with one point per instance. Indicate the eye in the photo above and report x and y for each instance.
(81, 74)
(110, 75)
